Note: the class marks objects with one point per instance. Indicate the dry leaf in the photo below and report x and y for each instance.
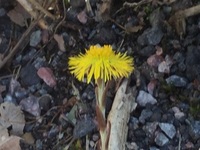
(11, 115)
(18, 15)
(28, 138)
(178, 19)
(103, 11)
(3, 133)
(10, 143)
(61, 43)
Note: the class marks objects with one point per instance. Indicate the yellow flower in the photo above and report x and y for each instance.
(100, 63)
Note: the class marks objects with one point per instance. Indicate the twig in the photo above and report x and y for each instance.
(63, 19)
(136, 4)
(23, 41)
(178, 19)
(123, 105)
(39, 7)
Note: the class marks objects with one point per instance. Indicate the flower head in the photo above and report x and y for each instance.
(100, 63)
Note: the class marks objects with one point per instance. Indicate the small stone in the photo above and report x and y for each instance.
(154, 148)
(150, 128)
(77, 3)
(95, 137)
(134, 122)
(177, 113)
(177, 81)
(92, 143)
(2, 12)
(147, 51)
(161, 139)
(83, 127)
(164, 67)
(151, 36)
(189, 145)
(144, 98)
(145, 115)
(29, 75)
(196, 129)
(169, 129)
(156, 18)
(35, 38)
(131, 146)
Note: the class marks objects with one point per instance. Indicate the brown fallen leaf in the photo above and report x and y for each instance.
(103, 11)
(11, 115)
(28, 138)
(3, 133)
(18, 15)
(47, 75)
(10, 143)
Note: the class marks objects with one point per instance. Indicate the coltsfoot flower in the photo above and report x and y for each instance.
(100, 63)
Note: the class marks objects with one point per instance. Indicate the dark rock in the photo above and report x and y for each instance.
(5, 30)
(133, 123)
(104, 36)
(45, 102)
(139, 133)
(156, 18)
(151, 36)
(177, 81)
(20, 93)
(83, 127)
(195, 130)
(77, 3)
(154, 148)
(146, 113)
(2, 12)
(192, 62)
(88, 93)
(178, 57)
(147, 51)
(156, 116)
(29, 75)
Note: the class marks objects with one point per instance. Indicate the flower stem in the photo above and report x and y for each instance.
(100, 96)
(100, 112)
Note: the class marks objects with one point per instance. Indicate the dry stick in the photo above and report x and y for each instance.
(136, 4)
(39, 7)
(192, 11)
(19, 43)
(123, 105)
(28, 7)
(178, 19)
